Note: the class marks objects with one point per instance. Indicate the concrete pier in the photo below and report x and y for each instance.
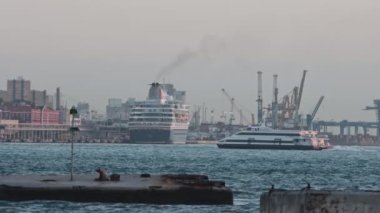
(155, 189)
(309, 200)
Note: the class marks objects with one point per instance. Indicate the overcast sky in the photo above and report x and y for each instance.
(95, 50)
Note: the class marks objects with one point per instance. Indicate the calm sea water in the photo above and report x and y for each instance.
(247, 172)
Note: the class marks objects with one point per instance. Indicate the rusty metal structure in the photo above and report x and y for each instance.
(284, 113)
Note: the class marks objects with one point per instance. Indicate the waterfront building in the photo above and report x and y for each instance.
(114, 109)
(4, 96)
(84, 110)
(96, 116)
(39, 98)
(28, 114)
(26, 123)
(19, 90)
(34, 112)
(4, 124)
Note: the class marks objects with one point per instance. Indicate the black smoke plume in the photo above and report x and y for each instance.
(208, 47)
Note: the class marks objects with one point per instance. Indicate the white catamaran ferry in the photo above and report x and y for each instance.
(262, 137)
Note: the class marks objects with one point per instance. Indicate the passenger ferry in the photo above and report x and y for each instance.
(162, 118)
(262, 137)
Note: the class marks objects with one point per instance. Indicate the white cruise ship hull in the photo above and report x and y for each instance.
(157, 136)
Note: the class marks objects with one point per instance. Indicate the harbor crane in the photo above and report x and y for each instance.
(275, 103)
(310, 117)
(317, 107)
(377, 108)
(232, 102)
(299, 98)
(260, 98)
(235, 107)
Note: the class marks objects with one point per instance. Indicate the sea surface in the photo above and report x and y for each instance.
(247, 172)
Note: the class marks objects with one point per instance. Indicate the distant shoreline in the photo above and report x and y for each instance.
(186, 143)
(92, 142)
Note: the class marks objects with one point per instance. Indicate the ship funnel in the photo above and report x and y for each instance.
(156, 92)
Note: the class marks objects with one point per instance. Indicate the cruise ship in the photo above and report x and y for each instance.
(262, 137)
(162, 118)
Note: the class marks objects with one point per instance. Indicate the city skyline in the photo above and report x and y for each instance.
(95, 50)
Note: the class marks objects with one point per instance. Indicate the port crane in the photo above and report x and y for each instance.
(376, 107)
(284, 114)
(317, 107)
(235, 107)
(299, 98)
(310, 117)
(260, 98)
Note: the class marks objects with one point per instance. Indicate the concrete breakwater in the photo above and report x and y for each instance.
(310, 200)
(145, 188)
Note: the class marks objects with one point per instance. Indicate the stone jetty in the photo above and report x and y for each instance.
(144, 188)
(311, 200)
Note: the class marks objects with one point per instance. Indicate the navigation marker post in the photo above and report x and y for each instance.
(73, 129)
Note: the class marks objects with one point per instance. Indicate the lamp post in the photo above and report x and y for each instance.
(73, 129)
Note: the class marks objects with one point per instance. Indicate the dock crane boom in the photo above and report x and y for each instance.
(298, 104)
(310, 117)
(234, 107)
(317, 107)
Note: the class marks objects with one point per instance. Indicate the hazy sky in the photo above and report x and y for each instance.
(95, 50)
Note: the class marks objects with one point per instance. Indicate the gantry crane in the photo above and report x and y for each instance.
(377, 108)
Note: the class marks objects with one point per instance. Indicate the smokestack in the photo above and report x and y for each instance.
(275, 103)
(33, 98)
(58, 99)
(260, 98)
(45, 97)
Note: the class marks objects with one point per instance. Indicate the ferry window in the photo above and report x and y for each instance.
(241, 133)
